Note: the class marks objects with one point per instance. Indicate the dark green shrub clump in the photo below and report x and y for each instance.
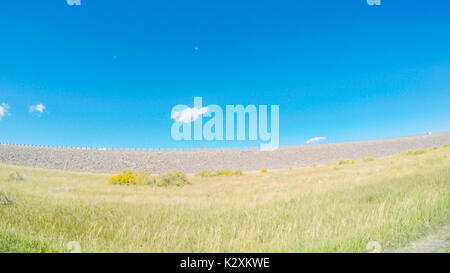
(172, 179)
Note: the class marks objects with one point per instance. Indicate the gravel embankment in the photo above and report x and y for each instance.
(198, 160)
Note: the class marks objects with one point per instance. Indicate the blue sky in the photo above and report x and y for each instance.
(109, 72)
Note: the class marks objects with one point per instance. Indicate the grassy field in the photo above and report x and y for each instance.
(335, 207)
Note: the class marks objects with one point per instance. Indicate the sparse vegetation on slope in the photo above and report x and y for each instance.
(207, 173)
(346, 161)
(414, 152)
(368, 159)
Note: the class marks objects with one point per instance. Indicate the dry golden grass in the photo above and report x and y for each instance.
(323, 208)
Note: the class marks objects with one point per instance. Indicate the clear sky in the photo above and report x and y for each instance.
(107, 73)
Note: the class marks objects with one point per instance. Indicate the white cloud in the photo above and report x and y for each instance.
(314, 139)
(189, 114)
(73, 2)
(4, 109)
(37, 108)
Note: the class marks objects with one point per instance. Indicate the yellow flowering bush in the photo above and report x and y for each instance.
(263, 170)
(131, 177)
(127, 177)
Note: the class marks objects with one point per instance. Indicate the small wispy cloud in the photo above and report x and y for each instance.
(4, 109)
(37, 108)
(315, 139)
(189, 114)
(73, 2)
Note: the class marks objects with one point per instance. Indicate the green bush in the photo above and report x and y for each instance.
(173, 178)
(206, 173)
(446, 145)
(145, 178)
(432, 148)
(346, 161)
(368, 159)
(236, 172)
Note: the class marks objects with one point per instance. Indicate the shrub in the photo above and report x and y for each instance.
(446, 145)
(263, 171)
(346, 161)
(368, 159)
(131, 177)
(145, 178)
(313, 165)
(236, 172)
(336, 168)
(16, 176)
(432, 148)
(414, 152)
(173, 178)
(127, 177)
(205, 173)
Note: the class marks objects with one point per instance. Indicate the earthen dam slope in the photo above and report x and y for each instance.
(191, 161)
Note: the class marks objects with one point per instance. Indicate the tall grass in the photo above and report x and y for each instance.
(392, 200)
